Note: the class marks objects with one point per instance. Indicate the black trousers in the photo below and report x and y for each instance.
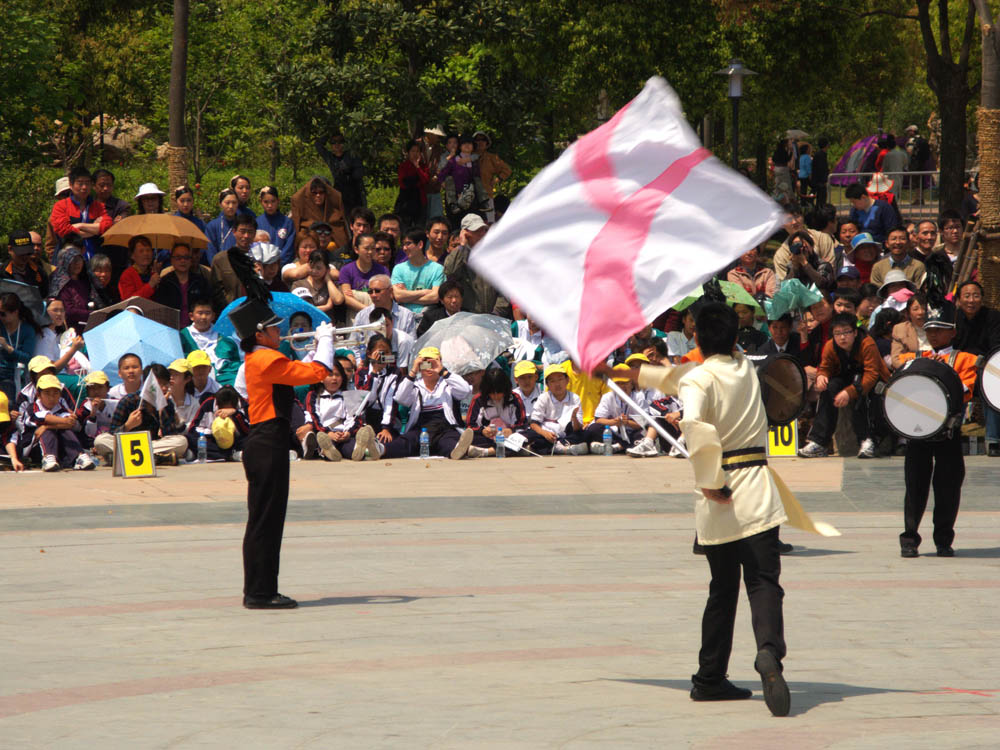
(265, 463)
(758, 556)
(938, 463)
(863, 414)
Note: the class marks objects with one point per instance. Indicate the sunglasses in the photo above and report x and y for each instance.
(180, 257)
(373, 290)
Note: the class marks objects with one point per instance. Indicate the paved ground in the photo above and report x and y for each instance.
(524, 603)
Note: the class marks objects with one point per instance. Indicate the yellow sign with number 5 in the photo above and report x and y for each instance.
(783, 440)
(134, 455)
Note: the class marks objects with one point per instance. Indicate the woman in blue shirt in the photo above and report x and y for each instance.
(184, 196)
(276, 224)
(17, 340)
(220, 229)
(241, 186)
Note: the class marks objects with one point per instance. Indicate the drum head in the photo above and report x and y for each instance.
(989, 379)
(916, 406)
(783, 388)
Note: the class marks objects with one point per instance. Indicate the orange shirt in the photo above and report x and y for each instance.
(964, 365)
(694, 355)
(270, 376)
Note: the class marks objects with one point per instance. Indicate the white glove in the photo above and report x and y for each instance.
(324, 331)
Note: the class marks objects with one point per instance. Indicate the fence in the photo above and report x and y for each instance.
(916, 192)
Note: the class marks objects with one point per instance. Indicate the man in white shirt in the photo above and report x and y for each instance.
(382, 294)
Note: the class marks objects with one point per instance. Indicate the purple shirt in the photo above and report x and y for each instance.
(358, 279)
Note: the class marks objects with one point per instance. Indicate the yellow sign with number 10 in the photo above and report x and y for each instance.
(134, 455)
(783, 440)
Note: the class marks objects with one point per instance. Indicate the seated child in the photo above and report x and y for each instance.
(223, 421)
(9, 434)
(526, 377)
(338, 432)
(50, 430)
(95, 412)
(496, 408)
(201, 375)
(380, 377)
(130, 371)
(222, 351)
(613, 412)
(556, 425)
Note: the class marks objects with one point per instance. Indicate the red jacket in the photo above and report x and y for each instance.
(131, 285)
(66, 213)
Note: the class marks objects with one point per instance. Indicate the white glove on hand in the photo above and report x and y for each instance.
(324, 331)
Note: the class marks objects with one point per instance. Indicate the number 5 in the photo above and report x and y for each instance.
(137, 456)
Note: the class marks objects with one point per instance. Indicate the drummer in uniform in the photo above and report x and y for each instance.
(937, 460)
(270, 379)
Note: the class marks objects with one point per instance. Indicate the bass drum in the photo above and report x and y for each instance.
(923, 399)
(783, 387)
(989, 379)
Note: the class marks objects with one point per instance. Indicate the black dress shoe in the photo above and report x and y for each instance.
(908, 551)
(945, 551)
(278, 601)
(993, 450)
(721, 691)
(776, 694)
(784, 547)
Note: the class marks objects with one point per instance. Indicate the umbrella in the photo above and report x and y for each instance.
(796, 134)
(468, 341)
(735, 295)
(128, 333)
(284, 304)
(791, 295)
(163, 230)
(168, 316)
(30, 296)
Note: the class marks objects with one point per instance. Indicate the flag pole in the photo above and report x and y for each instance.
(649, 420)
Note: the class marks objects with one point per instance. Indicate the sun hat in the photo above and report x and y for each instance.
(525, 367)
(197, 358)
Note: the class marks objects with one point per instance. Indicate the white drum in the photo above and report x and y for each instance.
(989, 379)
(923, 399)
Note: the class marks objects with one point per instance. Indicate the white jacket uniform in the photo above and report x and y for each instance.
(554, 415)
(415, 394)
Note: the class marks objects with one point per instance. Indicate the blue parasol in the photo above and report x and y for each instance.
(284, 305)
(129, 333)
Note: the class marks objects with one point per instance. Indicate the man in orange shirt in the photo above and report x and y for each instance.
(938, 460)
(271, 378)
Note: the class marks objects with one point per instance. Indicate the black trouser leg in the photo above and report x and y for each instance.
(761, 573)
(949, 473)
(265, 462)
(918, 466)
(720, 613)
(825, 422)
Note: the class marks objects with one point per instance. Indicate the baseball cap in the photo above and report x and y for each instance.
(473, 223)
(621, 378)
(20, 242)
(48, 381)
(431, 352)
(224, 432)
(197, 358)
(180, 365)
(525, 367)
(39, 363)
(97, 377)
(849, 272)
(864, 238)
(637, 357)
(302, 292)
(554, 369)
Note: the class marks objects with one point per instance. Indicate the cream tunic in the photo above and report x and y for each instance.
(723, 411)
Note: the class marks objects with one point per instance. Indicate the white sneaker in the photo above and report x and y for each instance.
(581, 449)
(597, 448)
(327, 448)
(645, 448)
(867, 449)
(84, 463)
(812, 450)
(50, 463)
(476, 452)
(238, 456)
(364, 441)
(461, 449)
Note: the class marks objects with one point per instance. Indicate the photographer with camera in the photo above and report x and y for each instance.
(380, 377)
(821, 242)
(805, 265)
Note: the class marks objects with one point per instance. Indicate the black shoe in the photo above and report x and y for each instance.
(698, 549)
(784, 548)
(721, 691)
(908, 551)
(945, 551)
(278, 601)
(776, 694)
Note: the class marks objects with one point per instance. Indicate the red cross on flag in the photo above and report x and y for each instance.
(627, 222)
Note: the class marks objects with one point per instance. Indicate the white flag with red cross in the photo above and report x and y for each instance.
(628, 221)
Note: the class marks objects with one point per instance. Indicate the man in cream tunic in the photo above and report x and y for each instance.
(739, 506)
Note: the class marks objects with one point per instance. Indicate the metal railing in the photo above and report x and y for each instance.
(916, 192)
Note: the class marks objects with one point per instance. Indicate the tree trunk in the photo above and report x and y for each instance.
(988, 117)
(953, 100)
(177, 157)
(275, 159)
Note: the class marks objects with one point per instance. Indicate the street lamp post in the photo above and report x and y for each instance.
(736, 72)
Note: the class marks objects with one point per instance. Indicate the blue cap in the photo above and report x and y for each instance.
(864, 238)
(849, 272)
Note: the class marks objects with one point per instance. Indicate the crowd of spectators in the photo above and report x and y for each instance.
(408, 270)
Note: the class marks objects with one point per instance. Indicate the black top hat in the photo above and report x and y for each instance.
(940, 315)
(253, 316)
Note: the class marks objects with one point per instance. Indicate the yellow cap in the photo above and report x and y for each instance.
(96, 378)
(39, 363)
(197, 358)
(430, 352)
(553, 369)
(180, 365)
(620, 368)
(224, 432)
(525, 367)
(48, 381)
(4, 408)
(637, 357)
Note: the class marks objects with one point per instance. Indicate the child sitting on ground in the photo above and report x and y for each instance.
(613, 412)
(526, 377)
(337, 431)
(496, 408)
(380, 378)
(130, 371)
(556, 425)
(95, 412)
(201, 375)
(50, 430)
(221, 419)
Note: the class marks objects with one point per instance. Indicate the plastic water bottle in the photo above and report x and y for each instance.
(501, 450)
(202, 449)
(609, 449)
(425, 443)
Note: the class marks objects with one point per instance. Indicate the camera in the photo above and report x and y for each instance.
(425, 366)
(388, 359)
(795, 248)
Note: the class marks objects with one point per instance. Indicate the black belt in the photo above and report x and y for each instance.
(744, 458)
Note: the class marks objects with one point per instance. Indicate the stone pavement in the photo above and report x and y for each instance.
(528, 603)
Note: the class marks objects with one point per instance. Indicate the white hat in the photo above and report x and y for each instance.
(148, 188)
(473, 223)
(302, 293)
(265, 252)
(437, 130)
(880, 183)
(914, 128)
(62, 185)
